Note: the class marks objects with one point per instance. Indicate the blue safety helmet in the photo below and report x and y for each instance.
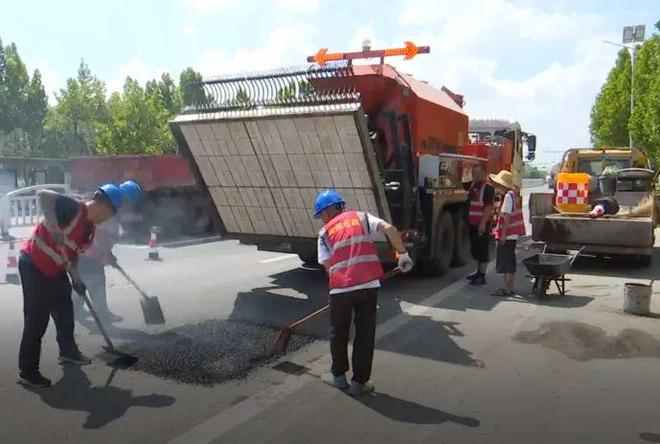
(325, 200)
(131, 190)
(113, 193)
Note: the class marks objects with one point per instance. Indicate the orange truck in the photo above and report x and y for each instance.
(265, 144)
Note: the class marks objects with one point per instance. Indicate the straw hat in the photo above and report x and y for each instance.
(503, 178)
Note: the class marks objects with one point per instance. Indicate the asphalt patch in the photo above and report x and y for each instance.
(211, 352)
(584, 342)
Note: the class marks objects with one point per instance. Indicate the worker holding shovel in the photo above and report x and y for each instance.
(347, 251)
(94, 260)
(67, 229)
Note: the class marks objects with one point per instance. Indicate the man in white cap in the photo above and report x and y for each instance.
(510, 226)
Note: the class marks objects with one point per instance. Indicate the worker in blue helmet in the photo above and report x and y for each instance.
(48, 265)
(347, 251)
(99, 255)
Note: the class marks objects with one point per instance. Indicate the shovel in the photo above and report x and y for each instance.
(151, 309)
(282, 340)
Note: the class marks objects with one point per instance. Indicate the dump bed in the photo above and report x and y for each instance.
(264, 166)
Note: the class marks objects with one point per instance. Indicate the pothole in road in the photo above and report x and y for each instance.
(211, 352)
(584, 342)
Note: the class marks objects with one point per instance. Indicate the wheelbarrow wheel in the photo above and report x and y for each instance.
(540, 288)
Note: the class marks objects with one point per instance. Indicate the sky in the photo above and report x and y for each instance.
(538, 62)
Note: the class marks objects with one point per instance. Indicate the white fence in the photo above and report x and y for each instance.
(20, 208)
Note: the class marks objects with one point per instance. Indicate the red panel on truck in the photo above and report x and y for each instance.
(156, 171)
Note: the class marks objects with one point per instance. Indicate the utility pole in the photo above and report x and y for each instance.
(631, 36)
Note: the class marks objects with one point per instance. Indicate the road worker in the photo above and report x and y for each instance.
(347, 251)
(93, 261)
(67, 229)
(510, 226)
(480, 214)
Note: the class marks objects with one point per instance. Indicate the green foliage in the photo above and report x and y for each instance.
(610, 117)
(645, 121)
(532, 172)
(137, 123)
(192, 90)
(611, 112)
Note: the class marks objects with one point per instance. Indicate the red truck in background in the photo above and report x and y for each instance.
(173, 201)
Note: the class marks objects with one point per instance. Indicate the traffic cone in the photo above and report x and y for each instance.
(11, 276)
(153, 245)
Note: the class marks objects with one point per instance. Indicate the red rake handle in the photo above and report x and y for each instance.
(326, 307)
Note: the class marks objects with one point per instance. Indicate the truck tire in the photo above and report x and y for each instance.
(461, 240)
(443, 248)
(309, 258)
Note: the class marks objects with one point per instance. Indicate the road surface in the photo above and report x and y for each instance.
(453, 364)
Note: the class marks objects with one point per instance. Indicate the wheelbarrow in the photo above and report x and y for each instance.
(546, 268)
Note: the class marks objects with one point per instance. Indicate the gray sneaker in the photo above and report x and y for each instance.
(339, 382)
(74, 358)
(358, 389)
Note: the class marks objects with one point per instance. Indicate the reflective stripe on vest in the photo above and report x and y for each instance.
(477, 206)
(516, 219)
(354, 258)
(51, 258)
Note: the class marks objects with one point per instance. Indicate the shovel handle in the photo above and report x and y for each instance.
(132, 282)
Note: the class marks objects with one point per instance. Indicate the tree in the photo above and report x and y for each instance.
(168, 92)
(611, 112)
(36, 107)
(81, 108)
(645, 121)
(137, 123)
(192, 88)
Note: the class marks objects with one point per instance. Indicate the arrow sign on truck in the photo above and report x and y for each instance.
(409, 51)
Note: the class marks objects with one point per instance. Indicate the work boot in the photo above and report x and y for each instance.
(111, 317)
(479, 280)
(74, 357)
(34, 379)
(339, 382)
(471, 276)
(358, 388)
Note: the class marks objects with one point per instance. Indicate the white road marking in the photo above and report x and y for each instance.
(232, 417)
(278, 258)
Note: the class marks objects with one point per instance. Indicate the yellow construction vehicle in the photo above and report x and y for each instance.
(562, 221)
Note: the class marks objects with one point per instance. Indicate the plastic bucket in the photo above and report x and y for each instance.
(637, 298)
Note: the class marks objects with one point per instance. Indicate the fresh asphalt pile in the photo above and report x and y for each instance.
(211, 352)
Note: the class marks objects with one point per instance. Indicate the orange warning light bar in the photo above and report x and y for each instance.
(409, 51)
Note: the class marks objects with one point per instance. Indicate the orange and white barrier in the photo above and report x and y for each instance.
(153, 245)
(11, 275)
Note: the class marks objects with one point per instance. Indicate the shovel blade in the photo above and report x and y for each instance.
(152, 311)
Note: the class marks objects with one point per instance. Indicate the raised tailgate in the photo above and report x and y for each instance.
(264, 167)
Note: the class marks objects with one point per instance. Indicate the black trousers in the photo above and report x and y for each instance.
(480, 244)
(342, 306)
(44, 297)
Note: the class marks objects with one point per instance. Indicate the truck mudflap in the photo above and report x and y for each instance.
(264, 160)
(613, 234)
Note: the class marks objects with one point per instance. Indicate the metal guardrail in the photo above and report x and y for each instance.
(20, 208)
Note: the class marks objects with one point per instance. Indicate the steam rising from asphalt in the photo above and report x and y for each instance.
(210, 352)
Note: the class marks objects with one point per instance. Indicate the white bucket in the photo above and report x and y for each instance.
(637, 298)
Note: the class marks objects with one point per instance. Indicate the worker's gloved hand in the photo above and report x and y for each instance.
(405, 263)
(79, 287)
(482, 228)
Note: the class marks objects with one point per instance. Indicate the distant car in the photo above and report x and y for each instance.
(552, 177)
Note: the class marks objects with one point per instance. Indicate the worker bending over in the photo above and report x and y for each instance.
(510, 226)
(347, 251)
(67, 229)
(99, 254)
(480, 213)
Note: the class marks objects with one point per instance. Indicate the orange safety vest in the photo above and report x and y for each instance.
(516, 219)
(354, 258)
(47, 255)
(477, 207)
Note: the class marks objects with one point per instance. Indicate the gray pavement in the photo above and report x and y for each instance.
(453, 364)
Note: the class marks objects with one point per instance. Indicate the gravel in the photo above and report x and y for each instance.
(211, 352)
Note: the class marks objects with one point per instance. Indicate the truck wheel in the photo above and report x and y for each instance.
(309, 258)
(443, 249)
(461, 240)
